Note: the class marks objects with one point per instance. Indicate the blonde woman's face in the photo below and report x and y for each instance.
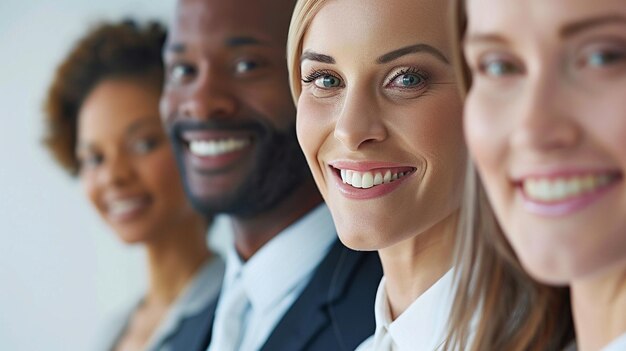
(546, 124)
(379, 118)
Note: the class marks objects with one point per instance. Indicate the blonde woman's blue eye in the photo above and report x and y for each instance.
(327, 81)
(410, 80)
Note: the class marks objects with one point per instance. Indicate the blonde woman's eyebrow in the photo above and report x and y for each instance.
(412, 49)
(313, 56)
(589, 23)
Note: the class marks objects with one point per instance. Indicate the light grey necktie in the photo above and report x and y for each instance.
(228, 327)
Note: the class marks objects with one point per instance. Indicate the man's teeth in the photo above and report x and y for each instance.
(216, 147)
(120, 207)
(559, 189)
(366, 180)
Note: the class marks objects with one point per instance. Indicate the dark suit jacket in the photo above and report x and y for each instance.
(335, 312)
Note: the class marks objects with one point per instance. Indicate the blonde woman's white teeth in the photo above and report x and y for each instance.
(367, 181)
(356, 180)
(378, 179)
(387, 177)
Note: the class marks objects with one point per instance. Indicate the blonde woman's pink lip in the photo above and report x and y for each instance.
(373, 191)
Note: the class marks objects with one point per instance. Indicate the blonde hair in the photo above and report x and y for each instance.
(303, 14)
(497, 305)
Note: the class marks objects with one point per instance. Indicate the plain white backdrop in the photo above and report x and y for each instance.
(62, 271)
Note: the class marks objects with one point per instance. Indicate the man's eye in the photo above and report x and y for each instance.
(246, 66)
(180, 72)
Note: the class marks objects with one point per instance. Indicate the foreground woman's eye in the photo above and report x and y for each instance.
(408, 78)
(327, 82)
(323, 80)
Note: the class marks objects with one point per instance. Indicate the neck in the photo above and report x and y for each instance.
(254, 232)
(412, 266)
(173, 260)
(598, 305)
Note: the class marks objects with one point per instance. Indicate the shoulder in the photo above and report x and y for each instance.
(366, 345)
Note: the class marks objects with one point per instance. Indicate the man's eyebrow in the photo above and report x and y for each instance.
(243, 41)
(175, 48)
(579, 26)
(411, 49)
(314, 56)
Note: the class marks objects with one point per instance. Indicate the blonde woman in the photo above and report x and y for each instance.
(547, 88)
(379, 121)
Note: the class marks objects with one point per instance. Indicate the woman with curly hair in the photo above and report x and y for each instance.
(104, 128)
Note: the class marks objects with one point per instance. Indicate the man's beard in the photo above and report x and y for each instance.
(279, 167)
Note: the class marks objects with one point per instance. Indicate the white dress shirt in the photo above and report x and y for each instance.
(618, 344)
(197, 295)
(422, 327)
(272, 280)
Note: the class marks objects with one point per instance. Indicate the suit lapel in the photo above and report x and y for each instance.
(310, 314)
(203, 342)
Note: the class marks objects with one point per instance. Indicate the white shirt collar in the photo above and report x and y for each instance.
(283, 261)
(618, 344)
(423, 325)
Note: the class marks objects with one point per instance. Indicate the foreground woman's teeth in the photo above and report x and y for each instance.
(216, 147)
(560, 189)
(366, 180)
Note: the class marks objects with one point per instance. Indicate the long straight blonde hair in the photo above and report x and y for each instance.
(497, 305)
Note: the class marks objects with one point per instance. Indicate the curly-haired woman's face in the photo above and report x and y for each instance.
(127, 167)
(546, 124)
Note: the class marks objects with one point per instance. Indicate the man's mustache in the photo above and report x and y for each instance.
(179, 126)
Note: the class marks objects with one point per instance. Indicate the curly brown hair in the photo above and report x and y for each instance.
(111, 50)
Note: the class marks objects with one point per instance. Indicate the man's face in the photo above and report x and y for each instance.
(227, 107)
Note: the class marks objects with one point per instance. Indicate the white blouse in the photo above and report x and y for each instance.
(422, 327)
(618, 344)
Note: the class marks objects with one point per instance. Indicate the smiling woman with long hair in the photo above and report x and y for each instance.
(544, 121)
(379, 121)
(102, 111)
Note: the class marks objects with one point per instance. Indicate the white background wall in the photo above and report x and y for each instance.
(61, 270)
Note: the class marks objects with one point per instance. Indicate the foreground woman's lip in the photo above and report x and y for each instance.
(563, 194)
(364, 180)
